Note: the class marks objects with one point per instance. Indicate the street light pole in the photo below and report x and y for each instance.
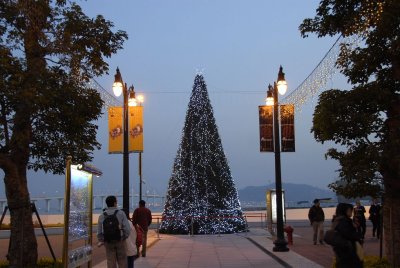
(125, 175)
(140, 100)
(279, 86)
(140, 176)
(280, 242)
(129, 95)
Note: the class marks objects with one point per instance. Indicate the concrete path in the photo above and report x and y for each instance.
(253, 249)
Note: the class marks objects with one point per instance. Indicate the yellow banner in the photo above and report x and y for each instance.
(136, 129)
(115, 130)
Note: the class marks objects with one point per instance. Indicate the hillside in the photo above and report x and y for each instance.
(294, 193)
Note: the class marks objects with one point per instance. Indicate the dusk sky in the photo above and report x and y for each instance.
(238, 45)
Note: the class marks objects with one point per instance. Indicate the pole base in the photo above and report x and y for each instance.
(280, 245)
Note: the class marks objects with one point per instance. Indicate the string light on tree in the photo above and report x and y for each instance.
(201, 192)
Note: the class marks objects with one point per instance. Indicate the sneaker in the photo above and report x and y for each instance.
(321, 242)
(315, 243)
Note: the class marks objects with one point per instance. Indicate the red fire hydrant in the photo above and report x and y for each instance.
(289, 231)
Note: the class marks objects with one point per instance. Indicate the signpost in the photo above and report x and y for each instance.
(272, 208)
(78, 211)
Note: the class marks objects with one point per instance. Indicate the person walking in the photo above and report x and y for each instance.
(374, 216)
(142, 217)
(316, 216)
(346, 251)
(131, 251)
(112, 231)
(359, 217)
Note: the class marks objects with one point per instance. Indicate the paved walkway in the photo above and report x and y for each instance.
(253, 249)
(323, 254)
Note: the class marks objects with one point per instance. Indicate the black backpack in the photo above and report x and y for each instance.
(111, 228)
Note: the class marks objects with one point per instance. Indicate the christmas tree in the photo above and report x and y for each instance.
(201, 193)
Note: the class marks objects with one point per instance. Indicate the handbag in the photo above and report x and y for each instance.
(335, 239)
(359, 251)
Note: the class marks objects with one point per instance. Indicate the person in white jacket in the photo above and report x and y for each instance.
(131, 250)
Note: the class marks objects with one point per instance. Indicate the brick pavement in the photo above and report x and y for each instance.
(323, 254)
(253, 249)
(56, 242)
(238, 246)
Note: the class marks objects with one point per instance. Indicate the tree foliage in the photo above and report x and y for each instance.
(358, 119)
(366, 119)
(48, 52)
(68, 48)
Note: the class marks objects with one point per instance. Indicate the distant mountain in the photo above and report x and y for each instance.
(294, 193)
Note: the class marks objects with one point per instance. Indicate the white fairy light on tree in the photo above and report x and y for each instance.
(201, 190)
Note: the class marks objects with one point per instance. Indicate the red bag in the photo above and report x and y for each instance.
(139, 236)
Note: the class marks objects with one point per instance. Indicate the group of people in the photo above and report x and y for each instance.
(347, 232)
(121, 236)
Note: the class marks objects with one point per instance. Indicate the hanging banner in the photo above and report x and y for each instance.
(266, 128)
(115, 130)
(287, 128)
(136, 129)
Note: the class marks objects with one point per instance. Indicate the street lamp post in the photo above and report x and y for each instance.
(140, 100)
(272, 97)
(119, 87)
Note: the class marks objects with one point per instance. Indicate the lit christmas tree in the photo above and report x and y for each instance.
(201, 190)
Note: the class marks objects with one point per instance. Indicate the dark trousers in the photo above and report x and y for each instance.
(376, 228)
(362, 228)
(131, 262)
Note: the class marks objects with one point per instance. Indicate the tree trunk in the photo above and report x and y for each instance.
(391, 225)
(391, 177)
(23, 245)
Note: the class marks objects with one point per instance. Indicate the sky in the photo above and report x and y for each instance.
(238, 45)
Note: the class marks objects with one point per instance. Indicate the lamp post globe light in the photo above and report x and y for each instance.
(272, 99)
(119, 87)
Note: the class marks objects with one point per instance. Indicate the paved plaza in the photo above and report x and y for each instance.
(253, 249)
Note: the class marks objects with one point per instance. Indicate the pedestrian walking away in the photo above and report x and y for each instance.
(374, 217)
(317, 217)
(142, 217)
(359, 217)
(131, 251)
(346, 240)
(112, 231)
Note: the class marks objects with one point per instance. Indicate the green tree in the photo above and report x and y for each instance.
(48, 52)
(366, 119)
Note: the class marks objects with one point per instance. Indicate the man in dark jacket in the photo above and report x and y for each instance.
(374, 216)
(142, 217)
(316, 216)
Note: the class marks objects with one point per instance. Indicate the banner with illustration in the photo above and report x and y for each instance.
(287, 128)
(266, 128)
(115, 130)
(136, 129)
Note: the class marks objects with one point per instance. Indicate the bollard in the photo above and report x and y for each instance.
(289, 231)
(158, 228)
(247, 225)
(219, 223)
(192, 234)
(261, 219)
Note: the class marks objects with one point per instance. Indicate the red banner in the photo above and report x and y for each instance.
(266, 128)
(287, 128)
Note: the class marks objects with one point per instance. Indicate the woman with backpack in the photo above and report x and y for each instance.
(346, 251)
